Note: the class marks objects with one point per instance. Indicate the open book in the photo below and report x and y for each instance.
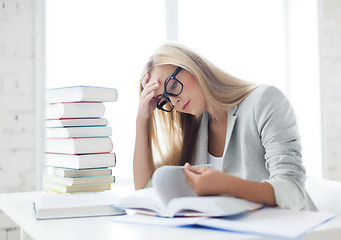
(171, 196)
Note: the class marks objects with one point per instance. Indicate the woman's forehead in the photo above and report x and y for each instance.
(162, 72)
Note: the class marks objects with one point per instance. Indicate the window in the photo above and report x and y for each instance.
(245, 38)
(265, 41)
(107, 43)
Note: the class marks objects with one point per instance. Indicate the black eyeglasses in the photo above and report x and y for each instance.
(173, 88)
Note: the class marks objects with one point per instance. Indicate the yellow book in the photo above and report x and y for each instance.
(72, 181)
(76, 188)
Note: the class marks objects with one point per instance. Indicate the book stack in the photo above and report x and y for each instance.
(78, 148)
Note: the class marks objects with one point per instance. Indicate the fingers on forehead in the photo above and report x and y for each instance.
(145, 79)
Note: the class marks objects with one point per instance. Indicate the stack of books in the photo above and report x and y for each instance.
(78, 147)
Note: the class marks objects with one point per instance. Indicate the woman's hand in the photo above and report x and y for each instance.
(207, 181)
(148, 100)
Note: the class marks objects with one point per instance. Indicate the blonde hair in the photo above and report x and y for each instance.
(172, 135)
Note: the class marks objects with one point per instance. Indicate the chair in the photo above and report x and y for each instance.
(326, 194)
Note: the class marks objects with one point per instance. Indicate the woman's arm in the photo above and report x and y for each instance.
(142, 165)
(207, 181)
(276, 124)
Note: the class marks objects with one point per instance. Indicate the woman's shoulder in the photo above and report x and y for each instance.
(264, 98)
(266, 91)
(265, 94)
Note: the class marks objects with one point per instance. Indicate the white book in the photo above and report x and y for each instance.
(171, 196)
(76, 122)
(76, 172)
(82, 161)
(71, 181)
(49, 206)
(75, 110)
(78, 145)
(80, 94)
(74, 132)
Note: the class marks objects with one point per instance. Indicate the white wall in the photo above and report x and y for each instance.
(303, 78)
(330, 83)
(17, 108)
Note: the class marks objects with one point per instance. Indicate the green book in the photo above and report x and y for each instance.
(72, 181)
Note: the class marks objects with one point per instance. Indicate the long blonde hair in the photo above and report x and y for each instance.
(172, 135)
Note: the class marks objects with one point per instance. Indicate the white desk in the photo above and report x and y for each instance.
(18, 206)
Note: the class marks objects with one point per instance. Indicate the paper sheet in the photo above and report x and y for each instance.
(268, 222)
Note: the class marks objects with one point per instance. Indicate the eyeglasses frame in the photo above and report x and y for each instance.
(165, 94)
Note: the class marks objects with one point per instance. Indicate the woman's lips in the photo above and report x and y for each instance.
(185, 107)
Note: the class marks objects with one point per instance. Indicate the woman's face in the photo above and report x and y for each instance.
(191, 99)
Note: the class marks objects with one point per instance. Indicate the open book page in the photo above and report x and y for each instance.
(172, 196)
(147, 201)
(143, 201)
(211, 206)
(170, 182)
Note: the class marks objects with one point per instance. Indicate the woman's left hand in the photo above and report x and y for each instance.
(207, 181)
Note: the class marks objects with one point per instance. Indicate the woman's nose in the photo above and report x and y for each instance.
(174, 100)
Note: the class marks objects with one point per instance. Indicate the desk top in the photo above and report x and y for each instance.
(19, 207)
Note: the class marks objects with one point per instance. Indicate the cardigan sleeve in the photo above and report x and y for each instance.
(149, 183)
(276, 124)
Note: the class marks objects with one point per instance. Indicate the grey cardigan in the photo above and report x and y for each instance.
(263, 144)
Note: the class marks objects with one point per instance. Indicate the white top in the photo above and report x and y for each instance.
(216, 162)
(262, 144)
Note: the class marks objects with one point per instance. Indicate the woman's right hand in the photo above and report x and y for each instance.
(148, 100)
(142, 165)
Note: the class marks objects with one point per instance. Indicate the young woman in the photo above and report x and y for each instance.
(191, 112)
